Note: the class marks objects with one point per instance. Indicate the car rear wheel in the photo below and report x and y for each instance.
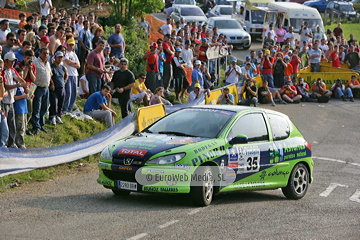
(202, 192)
(119, 192)
(298, 182)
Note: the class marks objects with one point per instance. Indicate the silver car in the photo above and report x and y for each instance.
(189, 13)
(221, 11)
(234, 31)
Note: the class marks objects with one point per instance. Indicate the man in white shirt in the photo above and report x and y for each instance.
(290, 36)
(187, 55)
(323, 46)
(166, 28)
(305, 33)
(271, 29)
(232, 72)
(198, 92)
(71, 63)
(45, 6)
(4, 30)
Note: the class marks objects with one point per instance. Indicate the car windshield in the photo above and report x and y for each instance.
(197, 122)
(222, 2)
(225, 11)
(191, 12)
(298, 22)
(189, 2)
(227, 24)
(257, 16)
(346, 8)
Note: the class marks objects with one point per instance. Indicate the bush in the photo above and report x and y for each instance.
(136, 45)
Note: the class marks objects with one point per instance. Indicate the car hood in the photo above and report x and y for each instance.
(195, 18)
(146, 145)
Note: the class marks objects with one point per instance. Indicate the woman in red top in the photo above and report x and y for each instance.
(334, 58)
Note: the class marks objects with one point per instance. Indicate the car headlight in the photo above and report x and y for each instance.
(105, 154)
(246, 37)
(168, 159)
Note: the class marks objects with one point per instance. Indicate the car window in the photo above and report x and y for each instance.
(228, 24)
(191, 2)
(199, 122)
(251, 125)
(225, 11)
(279, 126)
(346, 8)
(191, 12)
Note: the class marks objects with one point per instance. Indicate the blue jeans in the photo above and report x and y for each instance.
(40, 106)
(94, 83)
(10, 118)
(70, 93)
(4, 131)
(357, 68)
(270, 79)
(315, 67)
(347, 92)
(117, 55)
(248, 101)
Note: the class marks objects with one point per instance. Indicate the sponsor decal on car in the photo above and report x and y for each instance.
(182, 166)
(233, 157)
(134, 152)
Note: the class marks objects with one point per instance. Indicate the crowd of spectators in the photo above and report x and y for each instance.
(55, 56)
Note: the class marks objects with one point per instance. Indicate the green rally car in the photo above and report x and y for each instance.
(210, 149)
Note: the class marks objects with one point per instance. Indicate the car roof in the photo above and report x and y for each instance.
(237, 108)
(222, 18)
(186, 6)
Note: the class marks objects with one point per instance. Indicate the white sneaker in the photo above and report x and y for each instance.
(53, 121)
(58, 119)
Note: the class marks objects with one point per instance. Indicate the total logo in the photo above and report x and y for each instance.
(133, 152)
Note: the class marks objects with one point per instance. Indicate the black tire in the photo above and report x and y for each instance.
(203, 195)
(298, 182)
(119, 192)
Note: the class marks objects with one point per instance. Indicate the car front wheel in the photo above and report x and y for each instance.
(202, 191)
(298, 182)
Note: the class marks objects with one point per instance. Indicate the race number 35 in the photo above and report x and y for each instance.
(252, 164)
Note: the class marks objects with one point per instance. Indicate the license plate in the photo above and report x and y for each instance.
(127, 185)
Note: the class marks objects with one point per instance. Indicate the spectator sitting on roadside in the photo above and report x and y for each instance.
(289, 93)
(303, 89)
(139, 91)
(319, 89)
(98, 106)
(83, 88)
(250, 94)
(198, 92)
(267, 96)
(226, 98)
(157, 98)
(354, 85)
(338, 91)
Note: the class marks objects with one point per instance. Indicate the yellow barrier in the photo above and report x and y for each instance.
(148, 115)
(345, 66)
(214, 95)
(325, 68)
(328, 77)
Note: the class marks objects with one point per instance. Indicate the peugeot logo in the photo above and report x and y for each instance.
(128, 161)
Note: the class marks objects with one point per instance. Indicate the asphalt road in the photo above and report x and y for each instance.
(76, 207)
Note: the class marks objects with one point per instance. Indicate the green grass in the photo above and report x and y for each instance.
(347, 28)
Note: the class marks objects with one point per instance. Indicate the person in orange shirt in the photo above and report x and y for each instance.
(354, 85)
(319, 89)
(22, 23)
(288, 71)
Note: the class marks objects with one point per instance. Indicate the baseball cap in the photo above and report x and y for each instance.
(267, 51)
(107, 47)
(70, 41)
(248, 57)
(197, 85)
(234, 59)
(45, 39)
(288, 82)
(273, 50)
(287, 57)
(259, 52)
(197, 62)
(154, 44)
(173, 30)
(187, 42)
(178, 37)
(167, 35)
(289, 51)
(178, 49)
(59, 54)
(10, 56)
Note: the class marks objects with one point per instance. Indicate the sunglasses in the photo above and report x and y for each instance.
(13, 40)
(144, 78)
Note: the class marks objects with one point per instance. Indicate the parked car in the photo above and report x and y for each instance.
(356, 4)
(345, 9)
(209, 149)
(234, 31)
(183, 2)
(221, 11)
(320, 5)
(189, 13)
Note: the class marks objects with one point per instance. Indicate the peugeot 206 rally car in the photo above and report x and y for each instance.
(205, 150)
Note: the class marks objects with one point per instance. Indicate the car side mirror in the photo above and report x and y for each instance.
(240, 139)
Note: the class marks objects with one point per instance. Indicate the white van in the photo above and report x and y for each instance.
(292, 14)
(251, 17)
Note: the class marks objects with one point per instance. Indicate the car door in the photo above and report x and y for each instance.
(249, 158)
